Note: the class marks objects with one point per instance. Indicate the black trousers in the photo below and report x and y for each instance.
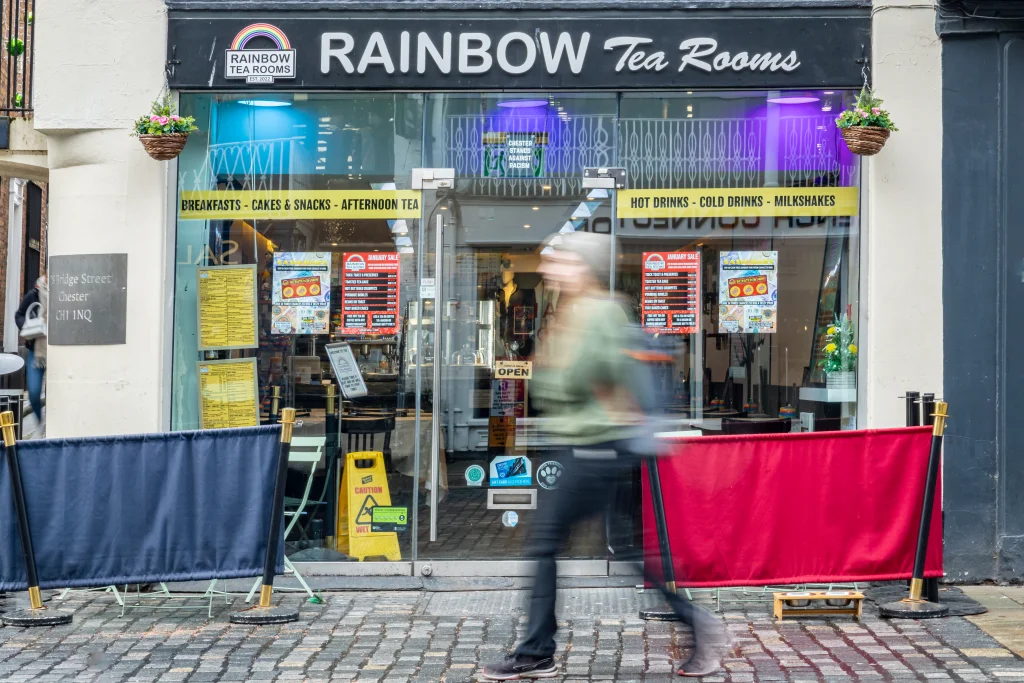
(585, 490)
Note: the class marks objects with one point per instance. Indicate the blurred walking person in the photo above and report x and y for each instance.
(31, 319)
(584, 382)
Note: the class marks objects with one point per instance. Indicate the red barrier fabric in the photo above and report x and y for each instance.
(794, 508)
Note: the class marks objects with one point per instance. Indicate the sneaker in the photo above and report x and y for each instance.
(520, 667)
(700, 664)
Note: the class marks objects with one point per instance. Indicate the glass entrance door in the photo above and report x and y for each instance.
(491, 466)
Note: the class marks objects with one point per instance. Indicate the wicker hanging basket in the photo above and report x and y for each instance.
(865, 140)
(164, 147)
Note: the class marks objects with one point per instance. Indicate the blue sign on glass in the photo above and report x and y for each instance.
(511, 470)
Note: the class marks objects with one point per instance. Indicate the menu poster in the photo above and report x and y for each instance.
(369, 293)
(748, 291)
(227, 307)
(302, 292)
(228, 396)
(670, 301)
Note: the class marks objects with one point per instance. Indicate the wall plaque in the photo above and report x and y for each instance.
(88, 299)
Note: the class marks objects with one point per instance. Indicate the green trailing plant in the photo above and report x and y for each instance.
(866, 111)
(163, 120)
(16, 47)
(840, 351)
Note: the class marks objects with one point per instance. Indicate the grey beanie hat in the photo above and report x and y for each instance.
(594, 249)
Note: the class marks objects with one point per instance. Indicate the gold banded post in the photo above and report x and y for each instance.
(7, 425)
(941, 408)
(287, 424)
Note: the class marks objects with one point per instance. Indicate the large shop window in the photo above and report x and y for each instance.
(737, 250)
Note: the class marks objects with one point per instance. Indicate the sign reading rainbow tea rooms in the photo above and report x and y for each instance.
(260, 65)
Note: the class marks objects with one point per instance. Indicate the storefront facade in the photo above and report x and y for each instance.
(295, 220)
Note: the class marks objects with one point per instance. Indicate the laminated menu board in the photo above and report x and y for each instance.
(302, 293)
(228, 396)
(670, 299)
(369, 293)
(226, 305)
(748, 291)
(346, 369)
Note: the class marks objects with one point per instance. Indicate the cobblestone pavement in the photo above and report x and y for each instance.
(424, 636)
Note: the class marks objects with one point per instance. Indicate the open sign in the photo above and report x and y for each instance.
(513, 369)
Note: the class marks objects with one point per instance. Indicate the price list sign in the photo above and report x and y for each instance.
(369, 293)
(670, 301)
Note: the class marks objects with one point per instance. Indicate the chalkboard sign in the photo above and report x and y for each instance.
(88, 299)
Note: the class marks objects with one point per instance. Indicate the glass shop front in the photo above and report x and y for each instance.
(314, 271)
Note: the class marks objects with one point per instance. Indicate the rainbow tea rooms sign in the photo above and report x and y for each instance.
(260, 65)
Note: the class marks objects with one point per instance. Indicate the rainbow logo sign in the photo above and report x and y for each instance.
(260, 65)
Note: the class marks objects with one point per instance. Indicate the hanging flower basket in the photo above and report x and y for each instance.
(163, 133)
(866, 140)
(865, 125)
(164, 147)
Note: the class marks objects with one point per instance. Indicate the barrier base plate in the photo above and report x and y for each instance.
(905, 609)
(36, 617)
(659, 613)
(262, 616)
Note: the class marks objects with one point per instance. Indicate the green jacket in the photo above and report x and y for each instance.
(581, 376)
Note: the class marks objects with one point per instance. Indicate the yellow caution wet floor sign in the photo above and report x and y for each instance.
(364, 486)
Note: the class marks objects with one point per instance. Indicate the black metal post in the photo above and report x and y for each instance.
(915, 607)
(37, 614)
(264, 612)
(913, 417)
(913, 414)
(931, 586)
(664, 546)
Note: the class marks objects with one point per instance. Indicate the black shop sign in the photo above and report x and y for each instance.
(395, 51)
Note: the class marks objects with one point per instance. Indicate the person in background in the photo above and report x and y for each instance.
(35, 367)
(584, 381)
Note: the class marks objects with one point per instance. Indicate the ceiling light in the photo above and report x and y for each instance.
(689, 107)
(794, 99)
(536, 208)
(526, 226)
(265, 103)
(334, 244)
(546, 188)
(522, 104)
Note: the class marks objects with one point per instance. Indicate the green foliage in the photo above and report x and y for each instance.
(866, 111)
(16, 47)
(163, 120)
(840, 350)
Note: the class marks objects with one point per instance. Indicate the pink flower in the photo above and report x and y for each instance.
(864, 114)
(154, 118)
(163, 120)
(859, 110)
(875, 110)
(174, 117)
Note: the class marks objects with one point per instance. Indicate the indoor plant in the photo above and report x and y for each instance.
(162, 132)
(865, 125)
(840, 355)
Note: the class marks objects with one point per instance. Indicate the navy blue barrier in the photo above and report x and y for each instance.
(179, 506)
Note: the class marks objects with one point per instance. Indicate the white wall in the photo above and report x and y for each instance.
(903, 275)
(106, 196)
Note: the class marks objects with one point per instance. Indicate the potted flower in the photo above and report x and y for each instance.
(162, 132)
(840, 353)
(865, 125)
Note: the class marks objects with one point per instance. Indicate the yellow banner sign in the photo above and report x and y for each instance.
(739, 202)
(298, 204)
